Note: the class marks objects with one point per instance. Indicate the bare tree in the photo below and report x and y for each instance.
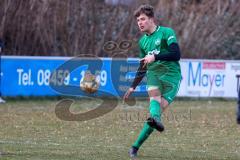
(205, 28)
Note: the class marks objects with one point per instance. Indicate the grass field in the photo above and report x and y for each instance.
(199, 130)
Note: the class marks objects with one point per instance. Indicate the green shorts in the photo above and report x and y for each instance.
(167, 84)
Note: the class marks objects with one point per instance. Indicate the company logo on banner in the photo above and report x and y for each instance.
(206, 79)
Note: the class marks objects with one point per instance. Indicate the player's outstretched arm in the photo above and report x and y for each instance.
(142, 69)
(138, 78)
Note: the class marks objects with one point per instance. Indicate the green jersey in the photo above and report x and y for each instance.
(156, 43)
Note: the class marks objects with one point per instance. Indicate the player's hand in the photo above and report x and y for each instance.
(148, 59)
(127, 94)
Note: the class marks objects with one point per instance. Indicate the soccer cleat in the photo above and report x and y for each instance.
(133, 152)
(154, 123)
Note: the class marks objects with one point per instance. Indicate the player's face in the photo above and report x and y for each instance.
(144, 23)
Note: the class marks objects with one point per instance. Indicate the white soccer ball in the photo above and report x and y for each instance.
(90, 83)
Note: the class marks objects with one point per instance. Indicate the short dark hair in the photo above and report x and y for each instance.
(144, 9)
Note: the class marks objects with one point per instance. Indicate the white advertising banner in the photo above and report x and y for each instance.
(209, 78)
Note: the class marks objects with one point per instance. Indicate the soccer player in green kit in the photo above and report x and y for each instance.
(160, 55)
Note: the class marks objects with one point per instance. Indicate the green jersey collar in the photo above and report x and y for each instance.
(157, 28)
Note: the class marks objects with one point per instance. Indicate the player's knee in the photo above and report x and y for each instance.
(164, 104)
(156, 98)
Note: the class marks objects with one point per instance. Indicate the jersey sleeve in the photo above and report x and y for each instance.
(170, 36)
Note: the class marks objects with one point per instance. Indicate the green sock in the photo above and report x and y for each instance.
(155, 111)
(144, 134)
